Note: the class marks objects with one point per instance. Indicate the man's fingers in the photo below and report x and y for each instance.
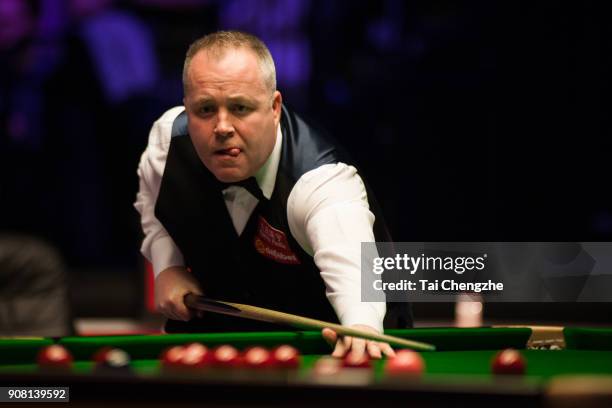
(339, 350)
(192, 312)
(166, 309)
(170, 314)
(348, 342)
(171, 285)
(373, 349)
(343, 345)
(177, 310)
(182, 313)
(330, 336)
(358, 346)
(387, 349)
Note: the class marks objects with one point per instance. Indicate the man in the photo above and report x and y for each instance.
(240, 199)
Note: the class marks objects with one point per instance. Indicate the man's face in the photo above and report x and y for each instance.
(232, 116)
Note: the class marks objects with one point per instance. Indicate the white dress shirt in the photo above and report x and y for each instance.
(327, 210)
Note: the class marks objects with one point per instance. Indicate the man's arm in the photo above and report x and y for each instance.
(172, 280)
(329, 216)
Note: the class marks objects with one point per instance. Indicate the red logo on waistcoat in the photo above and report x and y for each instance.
(273, 244)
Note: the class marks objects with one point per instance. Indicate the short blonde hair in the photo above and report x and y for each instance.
(220, 41)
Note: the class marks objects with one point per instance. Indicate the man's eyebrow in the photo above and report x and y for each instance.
(204, 100)
(241, 98)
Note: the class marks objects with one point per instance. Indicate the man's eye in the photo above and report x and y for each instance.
(205, 110)
(241, 109)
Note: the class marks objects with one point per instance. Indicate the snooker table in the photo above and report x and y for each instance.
(456, 374)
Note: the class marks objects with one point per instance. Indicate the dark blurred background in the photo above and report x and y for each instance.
(473, 121)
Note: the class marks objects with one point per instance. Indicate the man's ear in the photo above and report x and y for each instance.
(277, 102)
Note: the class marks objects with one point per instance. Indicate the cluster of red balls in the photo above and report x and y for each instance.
(410, 363)
(197, 355)
(405, 362)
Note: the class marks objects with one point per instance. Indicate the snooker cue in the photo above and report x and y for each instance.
(272, 316)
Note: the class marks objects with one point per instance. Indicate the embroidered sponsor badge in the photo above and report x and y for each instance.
(273, 243)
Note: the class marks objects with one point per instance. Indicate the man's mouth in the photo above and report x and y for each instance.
(232, 151)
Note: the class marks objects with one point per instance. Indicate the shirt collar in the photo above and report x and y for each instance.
(266, 175)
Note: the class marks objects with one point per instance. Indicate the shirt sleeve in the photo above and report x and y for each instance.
(329, 216)
(157, 246)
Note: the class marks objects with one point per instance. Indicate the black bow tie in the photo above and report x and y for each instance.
(250, 185)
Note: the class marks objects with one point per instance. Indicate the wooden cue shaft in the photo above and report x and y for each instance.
(273, 316)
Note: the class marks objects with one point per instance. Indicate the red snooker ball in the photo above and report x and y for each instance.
(225, 356)
(171, 356)
(405, 362)
(257, 357)
(356, 360)
(508, 361)
(286, 356)
(194, 355)
(54, 356)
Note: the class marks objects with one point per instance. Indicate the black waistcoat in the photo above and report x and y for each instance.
(264, 266)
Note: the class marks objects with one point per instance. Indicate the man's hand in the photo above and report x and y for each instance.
(346, 344)
(171, 286)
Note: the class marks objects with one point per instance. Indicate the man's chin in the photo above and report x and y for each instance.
(230, 177)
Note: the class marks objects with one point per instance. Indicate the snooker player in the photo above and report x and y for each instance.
(243, 201)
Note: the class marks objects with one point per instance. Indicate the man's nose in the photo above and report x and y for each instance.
(224, 127)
